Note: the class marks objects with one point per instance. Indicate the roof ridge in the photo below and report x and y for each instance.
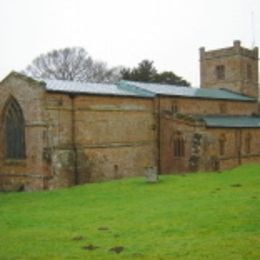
(80, 82)
(156, 83)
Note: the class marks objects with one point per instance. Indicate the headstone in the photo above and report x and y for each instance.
(151, 174)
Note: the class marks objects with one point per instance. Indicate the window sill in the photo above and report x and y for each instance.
(21, 162)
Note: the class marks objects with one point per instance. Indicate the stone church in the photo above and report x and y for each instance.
(58, 133)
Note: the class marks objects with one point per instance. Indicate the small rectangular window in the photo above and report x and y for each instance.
(248, 143)
(222, 145)
(175, 108)
(179, 146)
(223, 108)
(249, 71)
(220, 72)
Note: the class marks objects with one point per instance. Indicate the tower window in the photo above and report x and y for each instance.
(14, 129)
(249, 71)
(178, 145)
(220, 72)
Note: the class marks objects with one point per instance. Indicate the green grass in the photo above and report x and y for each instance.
(195, 216)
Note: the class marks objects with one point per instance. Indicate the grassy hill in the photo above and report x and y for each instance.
(194, 216)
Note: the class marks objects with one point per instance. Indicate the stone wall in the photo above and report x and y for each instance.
(202, 146)
(32, 172)
(198, 106)
(235, 146)
(103, 137)
(76, 139)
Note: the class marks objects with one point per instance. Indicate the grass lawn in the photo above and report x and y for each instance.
(194, 216)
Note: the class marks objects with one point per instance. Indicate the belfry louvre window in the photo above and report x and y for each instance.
(178, 145)
(14, 127)
(220, 72)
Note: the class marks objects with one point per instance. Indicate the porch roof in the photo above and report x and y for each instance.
(231, 121)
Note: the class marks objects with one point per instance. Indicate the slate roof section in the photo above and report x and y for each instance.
(231, 121)
(86, 88)
(140, 89)
(191, 92)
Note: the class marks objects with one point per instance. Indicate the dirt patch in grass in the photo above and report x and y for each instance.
(117, 249)
(138, 255)
(103, 229)
(78, 238)
(236, 185)
(90, 247)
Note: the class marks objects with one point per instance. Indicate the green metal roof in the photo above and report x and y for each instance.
(231, 121)
(153, 89)
(87, 88)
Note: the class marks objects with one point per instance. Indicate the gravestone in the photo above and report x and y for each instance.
(151, 174)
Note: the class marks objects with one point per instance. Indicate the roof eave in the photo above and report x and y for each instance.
(71, 93)
(196, 97)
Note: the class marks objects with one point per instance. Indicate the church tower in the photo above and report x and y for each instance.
(234, 68)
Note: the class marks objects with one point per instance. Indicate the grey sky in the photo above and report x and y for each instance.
(123, 32)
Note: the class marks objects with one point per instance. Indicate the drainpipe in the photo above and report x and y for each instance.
(239, 146)
(158, 108)
(73, 139)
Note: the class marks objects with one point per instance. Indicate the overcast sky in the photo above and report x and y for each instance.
(124, 32)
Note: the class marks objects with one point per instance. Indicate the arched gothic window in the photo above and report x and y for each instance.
(178, 145)
(14, 130)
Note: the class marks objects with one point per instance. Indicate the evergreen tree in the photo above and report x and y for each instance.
(146, 72)
(168, 77)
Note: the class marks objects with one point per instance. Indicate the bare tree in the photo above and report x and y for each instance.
(71, 64)
(101, 73)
